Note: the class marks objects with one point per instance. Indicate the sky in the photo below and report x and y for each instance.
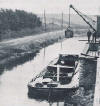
(52, 6)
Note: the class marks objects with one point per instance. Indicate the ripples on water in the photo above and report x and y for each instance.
(13, 83)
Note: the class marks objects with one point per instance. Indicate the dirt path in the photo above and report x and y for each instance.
(38, 37)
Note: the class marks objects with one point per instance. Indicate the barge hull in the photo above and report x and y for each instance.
(53, 92)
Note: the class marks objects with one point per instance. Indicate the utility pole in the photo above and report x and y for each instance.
(44, 21)
(69, 16)
(62, 21)
(52, 24)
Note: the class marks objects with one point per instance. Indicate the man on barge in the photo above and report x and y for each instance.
(89, 35)
(94, 36)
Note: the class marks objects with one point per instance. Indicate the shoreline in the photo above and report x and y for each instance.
(18, 51)
(84, 96)
(27, 50)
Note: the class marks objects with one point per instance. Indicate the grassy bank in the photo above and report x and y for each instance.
(9, 34)
(17, 51)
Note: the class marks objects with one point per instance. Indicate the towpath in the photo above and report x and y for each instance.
(13, 49)
(33, 38)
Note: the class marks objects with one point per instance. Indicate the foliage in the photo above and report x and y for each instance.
(17, 20)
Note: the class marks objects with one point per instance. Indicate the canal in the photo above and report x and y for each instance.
(13, 83)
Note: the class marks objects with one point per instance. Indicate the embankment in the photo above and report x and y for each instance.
(85, 94)
(18, 51)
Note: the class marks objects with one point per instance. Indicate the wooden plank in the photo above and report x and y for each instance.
(82, 40)
(86, 48)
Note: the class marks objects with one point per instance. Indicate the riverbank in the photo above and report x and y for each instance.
(9, 34)
(13, 83)
(17, 51)
(88, 69)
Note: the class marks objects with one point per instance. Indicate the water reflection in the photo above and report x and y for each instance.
(52, 98)
(13, 83)
(1, 69)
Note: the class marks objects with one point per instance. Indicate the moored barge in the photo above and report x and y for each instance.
(60, 77)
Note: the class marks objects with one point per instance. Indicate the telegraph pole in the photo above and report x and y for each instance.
(52, 24)
(69, 16)
(44, 21)
(62, 21)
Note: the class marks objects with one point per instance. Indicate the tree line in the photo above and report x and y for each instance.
(17, 20)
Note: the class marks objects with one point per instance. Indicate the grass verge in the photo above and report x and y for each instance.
(18, 51)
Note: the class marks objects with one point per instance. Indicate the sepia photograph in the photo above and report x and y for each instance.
(49, 53)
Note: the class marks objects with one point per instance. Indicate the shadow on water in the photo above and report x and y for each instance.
(52, 99)
(17, 61)
(2, 68)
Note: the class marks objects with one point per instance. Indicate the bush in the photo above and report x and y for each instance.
(15, 21)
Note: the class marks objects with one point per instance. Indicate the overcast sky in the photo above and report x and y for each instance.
(52, 6)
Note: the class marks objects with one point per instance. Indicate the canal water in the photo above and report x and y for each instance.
(13, 83)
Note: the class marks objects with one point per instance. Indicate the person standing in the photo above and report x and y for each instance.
(89, 35)
(94, 36)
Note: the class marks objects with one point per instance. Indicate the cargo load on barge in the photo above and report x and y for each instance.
(58, 78)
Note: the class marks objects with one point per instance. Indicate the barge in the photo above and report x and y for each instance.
(59, 78)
